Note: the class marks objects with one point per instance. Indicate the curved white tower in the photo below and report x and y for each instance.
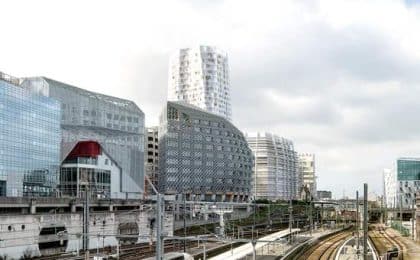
(200, 76)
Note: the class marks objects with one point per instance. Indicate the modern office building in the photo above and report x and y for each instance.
(29, 141)
(402, 182)
(116, 124)
(324, 195)
(152, 158)
(200, 76)
(276, 171)
(202, 155)
(307, 169)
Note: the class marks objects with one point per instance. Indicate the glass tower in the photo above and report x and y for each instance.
(29, 141)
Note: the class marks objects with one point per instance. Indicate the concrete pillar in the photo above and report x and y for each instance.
(111, 208)
(223, 197)
(73, 207)
(177, 211)
(32, 206)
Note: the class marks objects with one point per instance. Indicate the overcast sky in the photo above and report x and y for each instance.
(339, 78)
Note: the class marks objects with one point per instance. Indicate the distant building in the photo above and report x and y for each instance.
(202, 155)
(200, 76)
(276, 171)
(29, 141)
(117, 124)
(89, 168)
(390, 187)
(307, 168)
(324, 195)
(152, 158)
(402, 182)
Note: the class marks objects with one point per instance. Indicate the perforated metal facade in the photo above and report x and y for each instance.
(29, 142)
(202, 155)
(276, 171)
(117, 124)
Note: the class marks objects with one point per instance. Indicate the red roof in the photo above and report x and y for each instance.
(85, 149)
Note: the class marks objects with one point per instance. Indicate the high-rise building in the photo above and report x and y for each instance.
(116, 124)
(200, 76)
(390, 187)
(276, 170)
(402, 182)
(152, 158)
(307, 168)
(202, 155)
(29, 141)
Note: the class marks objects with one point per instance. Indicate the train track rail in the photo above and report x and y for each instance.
(383, 241)
(326, 248)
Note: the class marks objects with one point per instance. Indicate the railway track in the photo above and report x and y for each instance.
(326, 248)
(384, 242)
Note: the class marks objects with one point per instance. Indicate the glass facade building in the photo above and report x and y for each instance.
(202, 155)
(117, 124)
(402, 182)
(29, 142)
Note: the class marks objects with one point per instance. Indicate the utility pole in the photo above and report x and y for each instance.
(393, 212)
(365, 221)
(86, 220)
(290, 219)
(253, 225)
(413, 217)
(159, 219)
(159, 227)
(400, 228)
(185, 227)
(357, 220)
(311, 221)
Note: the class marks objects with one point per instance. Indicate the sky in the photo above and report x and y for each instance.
(339, 78)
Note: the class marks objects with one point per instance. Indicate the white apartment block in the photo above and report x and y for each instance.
(307, 168)
(276, 169)
(200, 76)
(390, 187)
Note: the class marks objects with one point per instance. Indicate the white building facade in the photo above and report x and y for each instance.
(307, 168)
(200, 76)
(276, 170)
(390, 187)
